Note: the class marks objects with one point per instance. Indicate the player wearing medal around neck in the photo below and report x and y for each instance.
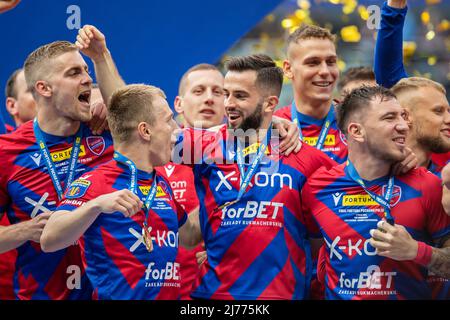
(256, 237)
(350, 201)
(40, 159)
(124, 212)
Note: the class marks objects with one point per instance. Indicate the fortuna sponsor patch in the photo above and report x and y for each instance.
(77, 189)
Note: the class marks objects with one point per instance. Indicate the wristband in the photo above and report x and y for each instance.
(424, 253)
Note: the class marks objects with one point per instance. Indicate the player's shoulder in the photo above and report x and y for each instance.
(93, 183)
(310, 159)
(420, 177)
(19, 139)
(283, 112)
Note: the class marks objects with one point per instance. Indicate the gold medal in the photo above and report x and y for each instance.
(147, 239)
(226, 204)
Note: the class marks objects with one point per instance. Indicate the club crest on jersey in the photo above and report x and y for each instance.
(77, 189)
(96, 144)
(396, 194)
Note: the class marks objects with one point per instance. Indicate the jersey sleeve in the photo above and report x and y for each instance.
(195, 145)
(181, 213)
(307, 198)
(438, 222)
(4, 195)
(79, 192)
(388, 62)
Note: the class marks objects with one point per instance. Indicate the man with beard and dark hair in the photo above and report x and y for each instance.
(256, 237)
(350, 201)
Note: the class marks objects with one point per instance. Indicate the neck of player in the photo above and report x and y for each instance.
(317, 109)
(55, 125)
(423, 156)
(261, 132)
(135, 153)
(369, 167)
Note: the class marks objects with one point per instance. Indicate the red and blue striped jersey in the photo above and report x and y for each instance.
(257, 248)
(345, 214)
(440, 286)
(116, 259)
(7, 266)
(181, 181)
(26, 190)
(335, 145)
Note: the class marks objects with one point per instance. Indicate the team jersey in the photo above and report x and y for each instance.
(440, 286)
(181, 181)
(116, 259)
(7, 265)
(440, 159)
(9, 128)
(346, 214)
(335, 145)
(26, 190)
(258, 247)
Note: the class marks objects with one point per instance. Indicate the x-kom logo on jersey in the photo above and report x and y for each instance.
(39, 205)
(223, 180)
(139, 237)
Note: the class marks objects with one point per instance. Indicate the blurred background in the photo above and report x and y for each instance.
(156, 41)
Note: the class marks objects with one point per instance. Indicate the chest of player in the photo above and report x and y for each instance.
(30, 185)
(346, 216)
(272, 188)
(181, 180)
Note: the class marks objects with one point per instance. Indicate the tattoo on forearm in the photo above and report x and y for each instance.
(440, 262)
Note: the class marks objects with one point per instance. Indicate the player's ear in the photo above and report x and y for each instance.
(43, 88)
(177, 104)
(11, 106)
(287, 69)
(356, 131)
(270, 103)
(145, 131)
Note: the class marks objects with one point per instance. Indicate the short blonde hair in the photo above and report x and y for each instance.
(129, 106)
(37, 61)
(415, 83)
(308, 31)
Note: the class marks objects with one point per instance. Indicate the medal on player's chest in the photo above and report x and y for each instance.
(147, 237)
(260, 149)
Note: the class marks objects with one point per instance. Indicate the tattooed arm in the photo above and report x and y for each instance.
(396, 243)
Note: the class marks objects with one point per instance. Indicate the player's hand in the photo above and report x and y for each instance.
(6, 5)
(98, 122)
(393, 242)
(36, 225)
(123, 201)
(399, 4)
(445, 174)
(91, 42)
(289, 135)
(201, 257)
(406, 165)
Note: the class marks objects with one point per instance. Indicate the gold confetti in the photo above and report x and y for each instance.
(287, 23)
(350, 34)
(341, 65)
(431, 60)
(304, 4)
(409, 47)
(444, 25)
(430, 35)
(363, 13)
(433, 1)
(425, 17)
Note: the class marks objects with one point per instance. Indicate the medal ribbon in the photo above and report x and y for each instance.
(49, 163)
(384, 202)
(325, 128)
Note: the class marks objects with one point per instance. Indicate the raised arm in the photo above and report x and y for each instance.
(388, 64)
(92, 43)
